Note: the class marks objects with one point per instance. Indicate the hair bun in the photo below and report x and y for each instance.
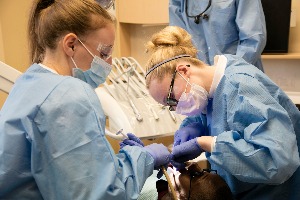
(171, 39)
(171, 36)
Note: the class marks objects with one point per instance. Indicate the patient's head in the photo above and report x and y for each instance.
(194, 183)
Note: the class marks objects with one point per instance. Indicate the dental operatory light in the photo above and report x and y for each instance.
(201, 14)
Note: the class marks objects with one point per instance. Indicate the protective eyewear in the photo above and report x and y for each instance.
(171, 101)
(106, 4)
(201, 14)
(105, 51)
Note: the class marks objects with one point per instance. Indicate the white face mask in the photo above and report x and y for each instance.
(194, 102)
(97, 73)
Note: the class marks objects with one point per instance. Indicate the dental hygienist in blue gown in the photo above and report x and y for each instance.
(52, 140)
(250, 130)
(217, 27)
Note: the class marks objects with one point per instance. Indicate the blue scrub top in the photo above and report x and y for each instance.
(258, 134)
(52, 144)
(235, 27)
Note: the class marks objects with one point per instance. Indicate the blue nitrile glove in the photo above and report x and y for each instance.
(185, 152)
(191, 131)
(160, 154)
(131, 141)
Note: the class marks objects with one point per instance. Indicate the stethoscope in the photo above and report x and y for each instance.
(202, 14)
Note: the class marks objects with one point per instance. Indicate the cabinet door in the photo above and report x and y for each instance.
(142, 11)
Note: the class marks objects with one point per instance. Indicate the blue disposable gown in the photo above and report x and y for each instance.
(52, 144)
(234, 27)
(258, 134)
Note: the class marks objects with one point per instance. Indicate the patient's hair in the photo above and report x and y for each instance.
(195, 183)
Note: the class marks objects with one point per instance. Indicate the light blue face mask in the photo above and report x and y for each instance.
(97, 74)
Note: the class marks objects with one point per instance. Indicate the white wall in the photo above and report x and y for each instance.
(1, 44)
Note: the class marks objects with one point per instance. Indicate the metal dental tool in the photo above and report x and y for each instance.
(135, 63)
(130, 71)
(134, 108)
(121, 132)
(169, 182)
(109, 91)
(135, 91)
(139, 66)
(134, 86)
(171, 114)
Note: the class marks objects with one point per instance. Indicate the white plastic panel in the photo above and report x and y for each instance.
(8, 76)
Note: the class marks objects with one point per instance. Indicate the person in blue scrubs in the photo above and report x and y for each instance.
(52, 139)
(235, 27)
(250, 128)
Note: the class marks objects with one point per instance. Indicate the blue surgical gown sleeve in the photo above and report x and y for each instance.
(256, 137)
(72, 159)
(250, 21)
(233, 27)
(176, 13)
(53, 146)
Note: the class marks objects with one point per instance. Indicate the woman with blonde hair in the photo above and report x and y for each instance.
(250, 129)
(52, 125)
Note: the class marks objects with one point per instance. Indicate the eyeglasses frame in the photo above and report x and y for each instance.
(171, 102)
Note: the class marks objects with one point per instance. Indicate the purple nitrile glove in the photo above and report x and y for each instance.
(188, 132)
(131, 141)
(185, 152)
(160, 154)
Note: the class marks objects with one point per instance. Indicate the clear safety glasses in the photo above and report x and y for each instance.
(171, 101)
(106, 4)
(105, 51)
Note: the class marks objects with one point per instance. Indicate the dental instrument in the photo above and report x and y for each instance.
(126, 95)
(139, 76)
(134, 86)
(169, 182)
(121, 132)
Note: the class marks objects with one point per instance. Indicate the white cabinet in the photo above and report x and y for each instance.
(137, 20)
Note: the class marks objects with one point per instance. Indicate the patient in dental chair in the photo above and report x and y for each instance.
(193, 183)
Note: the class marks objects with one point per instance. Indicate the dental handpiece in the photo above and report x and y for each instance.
(135, 110)
(173, 116)
(121, 132)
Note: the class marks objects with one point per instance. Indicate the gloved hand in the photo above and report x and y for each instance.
(160, 154)
(191, 131)
(185, 152)
(131, 141)
(189, 120)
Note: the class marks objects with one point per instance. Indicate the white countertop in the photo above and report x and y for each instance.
(294, 96)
